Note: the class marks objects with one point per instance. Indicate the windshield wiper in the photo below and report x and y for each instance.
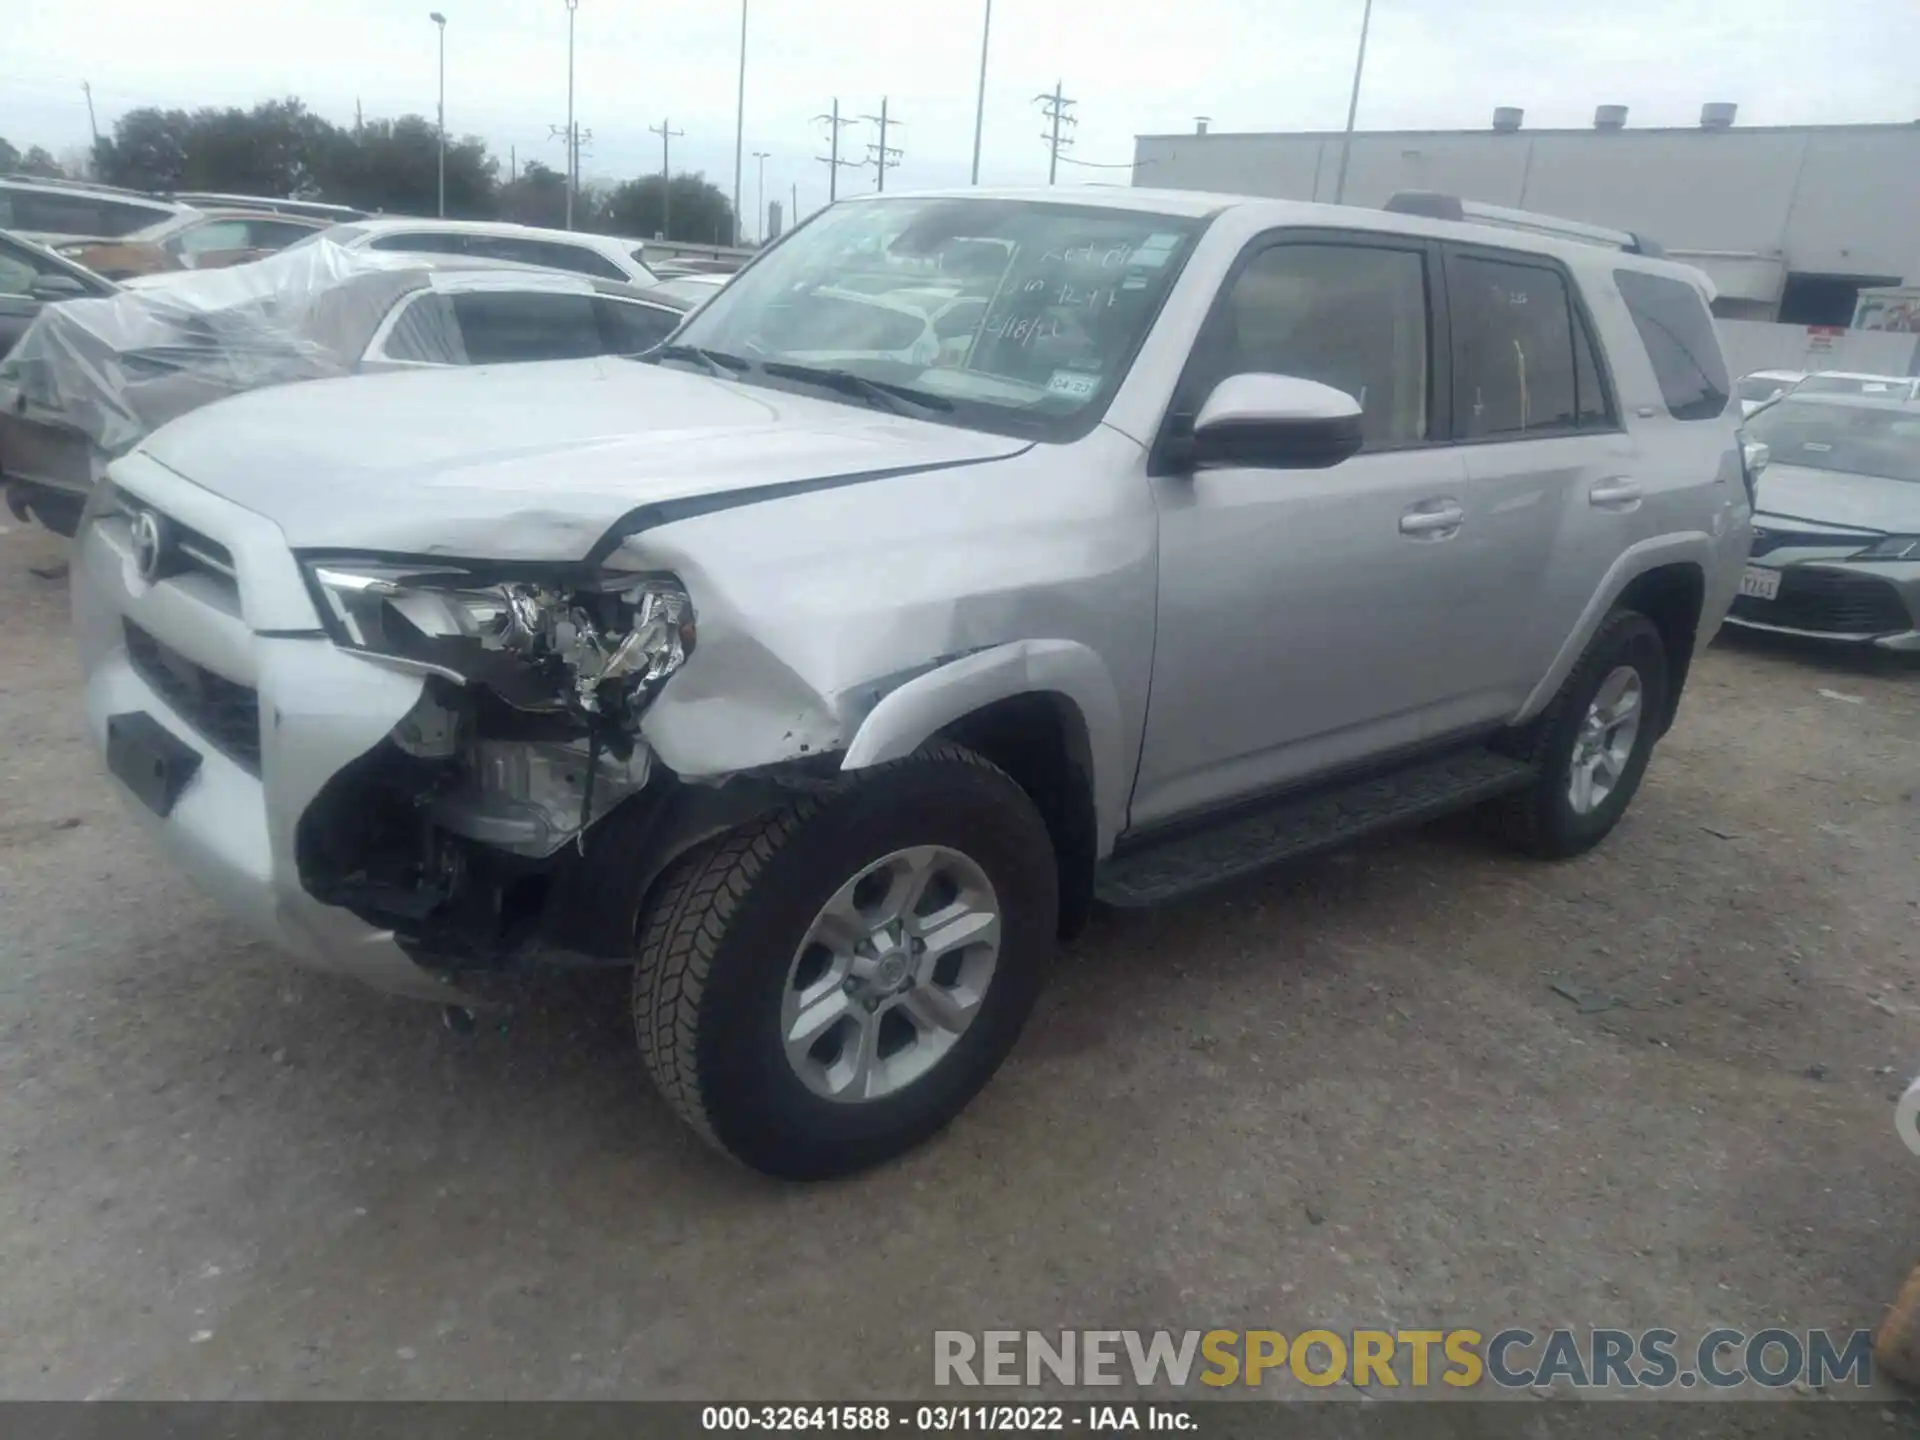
(883, 393)
(715, 362)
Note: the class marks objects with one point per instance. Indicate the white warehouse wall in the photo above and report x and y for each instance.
(1831, 200)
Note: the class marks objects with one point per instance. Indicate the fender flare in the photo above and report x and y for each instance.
(1694, 547)
(919, 709)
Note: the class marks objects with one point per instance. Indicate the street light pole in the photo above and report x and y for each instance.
(740, 122)
(573, 135)
(440, 23)
(1353, 105)
(980, 103)
(760, 223)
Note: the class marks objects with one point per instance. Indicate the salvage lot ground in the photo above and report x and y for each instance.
(1347, 1096)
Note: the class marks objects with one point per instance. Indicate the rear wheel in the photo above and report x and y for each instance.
(1592, 743)
(827, 986)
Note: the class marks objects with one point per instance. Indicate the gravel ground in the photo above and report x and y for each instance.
(1346, 1096)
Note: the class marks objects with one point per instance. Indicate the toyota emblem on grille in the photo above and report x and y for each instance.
(150, 545)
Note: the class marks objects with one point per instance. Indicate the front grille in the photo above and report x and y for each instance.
(189, 549)
(228, 715)
(1830, 601)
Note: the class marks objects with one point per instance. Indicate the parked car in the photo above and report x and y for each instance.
(1836, 540)
(825, 697)
(50, 211)
(192, 240)
(696, 290)
(1846, 382)
(311, 209)
(89, 383)
(31, 276)
(1763, 387)
(604, 257)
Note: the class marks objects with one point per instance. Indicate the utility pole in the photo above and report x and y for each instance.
(513, 163)
(573, 131)
(1353, 105)
(760, 222)
(667, 133)
(739, 121)
(793, 208)
(86, 88)
(980, 103)
(1055, 108)
(440, 24)
(356, 115)
(832, 159)
(882, 155)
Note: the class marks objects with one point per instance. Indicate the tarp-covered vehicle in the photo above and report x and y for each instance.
(91, 378)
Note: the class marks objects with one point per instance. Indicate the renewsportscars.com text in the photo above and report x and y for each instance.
(1456, 1359)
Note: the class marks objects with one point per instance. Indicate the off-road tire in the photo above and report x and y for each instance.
(716, 939)
(1541, 820)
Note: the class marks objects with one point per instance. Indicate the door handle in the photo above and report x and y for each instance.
(1618, 493)
(1439, 521)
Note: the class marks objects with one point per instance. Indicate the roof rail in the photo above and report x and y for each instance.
(1437, 206)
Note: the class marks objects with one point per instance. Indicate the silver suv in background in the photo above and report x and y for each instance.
(603, 257)
(825, 680)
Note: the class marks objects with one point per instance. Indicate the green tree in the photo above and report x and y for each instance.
(37, 161)
(537, 196)
(698, 210)
(392, 166)
(9, 157)
(271, 149)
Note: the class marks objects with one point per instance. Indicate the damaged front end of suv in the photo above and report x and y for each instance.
(465, 831)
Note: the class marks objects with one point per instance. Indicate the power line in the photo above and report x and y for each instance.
(1055, 107)
(832, 159)
(881, 155)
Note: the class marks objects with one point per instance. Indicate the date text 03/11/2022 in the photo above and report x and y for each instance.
(946, 1419)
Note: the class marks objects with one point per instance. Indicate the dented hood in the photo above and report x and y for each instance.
(527, 462)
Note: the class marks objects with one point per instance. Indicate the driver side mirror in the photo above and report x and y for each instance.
(1276, 422)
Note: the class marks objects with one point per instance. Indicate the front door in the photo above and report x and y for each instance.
(1309, 619)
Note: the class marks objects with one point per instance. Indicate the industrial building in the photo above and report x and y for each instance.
(1791, 222)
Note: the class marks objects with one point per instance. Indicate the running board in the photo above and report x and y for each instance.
(1305, 824)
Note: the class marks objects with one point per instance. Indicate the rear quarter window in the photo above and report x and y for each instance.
(1677, 331)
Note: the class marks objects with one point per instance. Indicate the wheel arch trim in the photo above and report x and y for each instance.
(916, 711)
(1695, 548)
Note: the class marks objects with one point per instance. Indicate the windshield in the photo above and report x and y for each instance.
(1890, 387)
(1756, 388)
(1850, 439)
(1017, 316)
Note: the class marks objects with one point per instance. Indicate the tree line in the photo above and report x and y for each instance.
(280, 147)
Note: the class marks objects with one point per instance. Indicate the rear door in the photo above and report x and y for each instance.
(1554, 480)
(17, 304)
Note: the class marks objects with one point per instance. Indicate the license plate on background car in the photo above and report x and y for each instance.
(1760, 583)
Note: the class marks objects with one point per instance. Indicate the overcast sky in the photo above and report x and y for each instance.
(1135, 66)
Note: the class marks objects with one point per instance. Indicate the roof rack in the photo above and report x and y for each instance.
(1437, 206)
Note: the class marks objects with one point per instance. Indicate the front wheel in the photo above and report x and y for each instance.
(1592, 743)
(825, 987)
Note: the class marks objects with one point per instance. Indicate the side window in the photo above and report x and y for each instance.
(421, 242)
(16, 275)
(1677, 330)
(275, 234)
(1350, 316)
(119, 218)
(1513, 349)
(214, 235)
(426, 333)
(501, 326)
(631, 327)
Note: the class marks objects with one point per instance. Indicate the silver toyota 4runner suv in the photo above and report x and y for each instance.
(968, 560)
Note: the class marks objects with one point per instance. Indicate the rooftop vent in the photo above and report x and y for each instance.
(1610, 117)
(1508, 117)
(1200, 123)
(1717, 115)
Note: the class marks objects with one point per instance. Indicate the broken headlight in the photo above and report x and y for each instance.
(591, 644)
